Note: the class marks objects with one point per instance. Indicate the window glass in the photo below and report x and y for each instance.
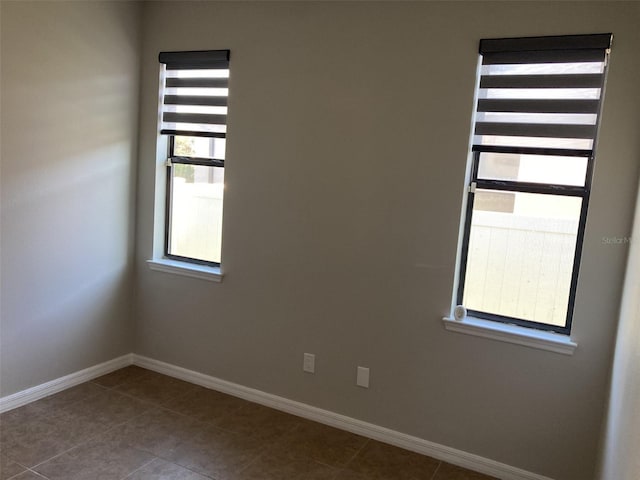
(196, 212)
(556, 170)
(542, 68)
(534, 142)
(199, 147)
(520, 256)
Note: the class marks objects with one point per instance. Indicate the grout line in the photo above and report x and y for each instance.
(186, 467)
(58, 454)
(435, 472)
(357, 452)
(140, 467)
(256, 458)
(265, 449)
(113, 387)
(341, 468)
(205, 475)
(152, 402)
(37, 474)
(89, 439)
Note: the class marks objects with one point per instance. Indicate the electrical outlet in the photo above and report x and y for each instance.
(309, 363)
(362, 378)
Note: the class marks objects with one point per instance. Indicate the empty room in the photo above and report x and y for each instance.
(333, 240)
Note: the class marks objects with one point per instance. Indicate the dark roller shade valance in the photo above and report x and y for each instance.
(195, 93)
(596, 41)
(195, 59)
(541, 88)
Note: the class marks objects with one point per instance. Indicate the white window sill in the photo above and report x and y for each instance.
(529, 337)
(203, 272)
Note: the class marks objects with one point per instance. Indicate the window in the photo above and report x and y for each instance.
(194, 91)
(532, 159)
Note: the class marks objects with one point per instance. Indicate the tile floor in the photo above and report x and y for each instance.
(136, 424)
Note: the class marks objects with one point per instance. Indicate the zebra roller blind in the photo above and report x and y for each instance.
(540, 95)
(195, 93)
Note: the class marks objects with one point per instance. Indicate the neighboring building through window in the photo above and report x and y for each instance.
(194, 94)
(532, 160)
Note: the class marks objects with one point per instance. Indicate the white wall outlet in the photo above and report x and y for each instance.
(309, 363)
(362, 379)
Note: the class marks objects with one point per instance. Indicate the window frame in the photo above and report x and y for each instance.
(526, 187)
(582, 192)
(172, 160)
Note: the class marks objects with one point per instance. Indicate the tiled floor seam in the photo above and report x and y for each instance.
(39, 474)
(435, 472)
(348, 462)
(264, 452)
(28, 470)
(257, 457)
(182, 465)
(33, 467)
(128, 475)
(16, 462)
(78, 445)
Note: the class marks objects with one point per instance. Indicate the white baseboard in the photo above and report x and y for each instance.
(54, 386)
(415, 444)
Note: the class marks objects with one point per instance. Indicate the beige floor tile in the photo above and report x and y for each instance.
(278, 467)
(215, 452)
(110, 408)
(385, 462)
(157, 431)
(9, 468)
(100, 458)
(206, 405)
(33, 442)
(16, 417)
(263, 423)
(451, 472)
(118, 377)
(322, 443)
(37, 439)
(162, 470)
(155, 388)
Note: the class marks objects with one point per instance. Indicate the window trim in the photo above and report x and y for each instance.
(186, 269)
(508, 333)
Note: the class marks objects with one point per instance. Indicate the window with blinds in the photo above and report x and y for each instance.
(194, 92)
(533, 142)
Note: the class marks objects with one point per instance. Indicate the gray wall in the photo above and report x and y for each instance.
(349, 126)
(622, 434)
(69, 143)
